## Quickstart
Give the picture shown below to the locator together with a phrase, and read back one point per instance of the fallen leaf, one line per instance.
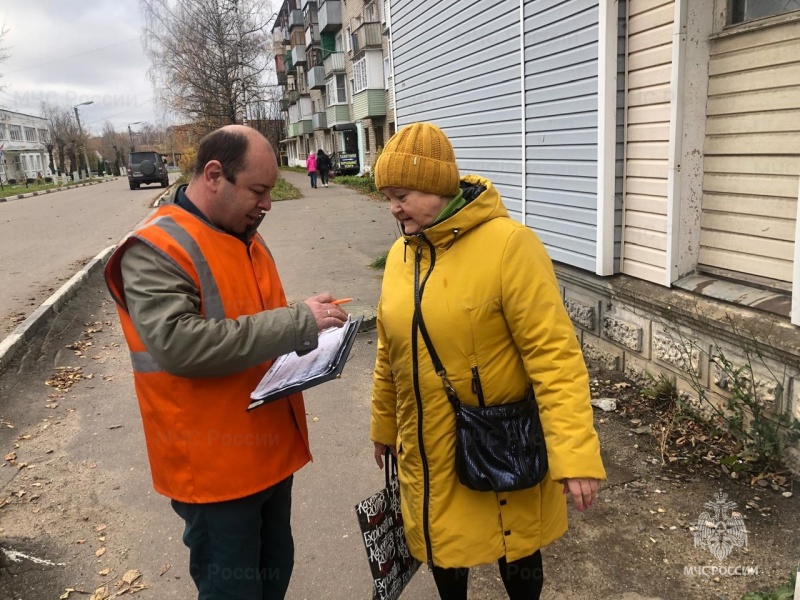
(25, 437)
(100, 528)
(11, 456)
(131, 576)
(100, 594)
(100, 552)
(104, 572)
(115, 426)
(315, 419)
(102, 538)
(164, 569)
(80, 542)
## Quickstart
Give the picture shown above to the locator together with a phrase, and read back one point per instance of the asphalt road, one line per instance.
(45, 239)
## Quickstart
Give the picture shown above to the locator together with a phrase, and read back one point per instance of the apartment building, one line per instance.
(23, 146)
(332, 59)
(654, 146)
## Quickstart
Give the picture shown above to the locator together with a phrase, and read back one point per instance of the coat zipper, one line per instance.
(418, 289)
(477, 388)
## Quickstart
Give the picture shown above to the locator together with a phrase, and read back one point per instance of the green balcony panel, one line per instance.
(368, 104)
(338, 113)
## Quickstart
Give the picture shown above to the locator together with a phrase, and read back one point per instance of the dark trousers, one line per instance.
(313, 176)
(522, 578)
(323, 175)
(241, 549)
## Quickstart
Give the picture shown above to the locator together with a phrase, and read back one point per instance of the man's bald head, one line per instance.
(229, 145)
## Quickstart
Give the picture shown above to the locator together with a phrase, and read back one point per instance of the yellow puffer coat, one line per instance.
(490, 301)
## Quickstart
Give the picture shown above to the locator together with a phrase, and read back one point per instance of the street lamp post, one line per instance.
(130, 134)
(80, 130)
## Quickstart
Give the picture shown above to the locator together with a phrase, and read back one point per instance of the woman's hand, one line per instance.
(583, 490)
(380, 450)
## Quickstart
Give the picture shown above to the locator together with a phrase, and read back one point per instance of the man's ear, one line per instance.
(212, 174)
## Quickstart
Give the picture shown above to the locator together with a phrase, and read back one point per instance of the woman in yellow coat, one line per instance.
(493, 310)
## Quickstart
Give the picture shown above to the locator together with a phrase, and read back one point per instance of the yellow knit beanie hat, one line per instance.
(418, 157)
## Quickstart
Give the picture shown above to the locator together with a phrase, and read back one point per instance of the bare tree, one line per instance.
(64, 135)
(4, 50)
(208, 57)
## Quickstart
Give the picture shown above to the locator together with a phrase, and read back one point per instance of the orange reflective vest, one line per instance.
(202, 444)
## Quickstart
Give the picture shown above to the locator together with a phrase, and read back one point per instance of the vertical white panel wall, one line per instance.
(464, 78)
(561, 89)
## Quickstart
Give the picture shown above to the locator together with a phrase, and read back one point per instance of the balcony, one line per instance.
(296, 19)
(316, 78)
(330, 16)
(368, 35)
(334, 63)
(292, 96)
(280, 68)
(284, 104)
(299, 56)
(319, 120)
(290, 66)
(338, 114)
(299, 128)
(369, 103)
(312, 35)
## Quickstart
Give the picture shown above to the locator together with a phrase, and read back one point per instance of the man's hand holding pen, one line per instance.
(326, 311)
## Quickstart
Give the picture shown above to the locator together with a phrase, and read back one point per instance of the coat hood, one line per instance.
(483, 204)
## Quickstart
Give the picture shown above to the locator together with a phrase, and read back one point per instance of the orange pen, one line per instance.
(341, 301)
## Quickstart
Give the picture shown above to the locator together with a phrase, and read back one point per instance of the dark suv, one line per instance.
(146, 167)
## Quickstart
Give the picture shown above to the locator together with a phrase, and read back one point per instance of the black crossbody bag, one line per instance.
(499, 448)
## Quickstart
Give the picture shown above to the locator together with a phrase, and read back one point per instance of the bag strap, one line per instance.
(389, 466)
(420, 324)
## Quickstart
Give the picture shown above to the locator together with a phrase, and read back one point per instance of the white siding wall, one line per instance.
(647, 112)
(752, 153)
(561, 69)
(457, 64)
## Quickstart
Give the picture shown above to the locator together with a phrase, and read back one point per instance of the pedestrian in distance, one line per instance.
(311, 165)
(475, 288)
(323, 166)
(204, 315)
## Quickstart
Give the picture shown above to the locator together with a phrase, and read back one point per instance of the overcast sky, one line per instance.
(73, 52)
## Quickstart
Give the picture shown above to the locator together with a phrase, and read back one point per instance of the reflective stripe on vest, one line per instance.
(212, 302)
(143, 362)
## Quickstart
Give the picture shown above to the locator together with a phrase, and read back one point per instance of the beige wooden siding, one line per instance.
(647, 116)
(752, 153)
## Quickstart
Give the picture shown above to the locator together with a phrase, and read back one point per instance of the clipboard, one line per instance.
(292, 373)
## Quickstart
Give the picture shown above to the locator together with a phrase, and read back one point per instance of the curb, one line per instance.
(49, 308)
(52, 190)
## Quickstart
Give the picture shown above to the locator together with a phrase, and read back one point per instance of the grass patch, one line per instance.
(380, 262)
(784, 592)
(17, 189)
(284, 190)
(363, 185)
(295, 169)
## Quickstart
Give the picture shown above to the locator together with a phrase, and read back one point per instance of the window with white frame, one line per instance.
(370, 13)
(360, 75)
(750, 10)
(3, 131)
(15, 133)
(30, 134)
(348, 39)
(339, 42)
(335, 90)
(44, 136)
(387, 72)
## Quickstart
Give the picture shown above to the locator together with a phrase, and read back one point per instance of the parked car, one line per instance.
(146, 167)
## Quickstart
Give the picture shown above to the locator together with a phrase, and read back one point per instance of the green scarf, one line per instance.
(452, 207)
